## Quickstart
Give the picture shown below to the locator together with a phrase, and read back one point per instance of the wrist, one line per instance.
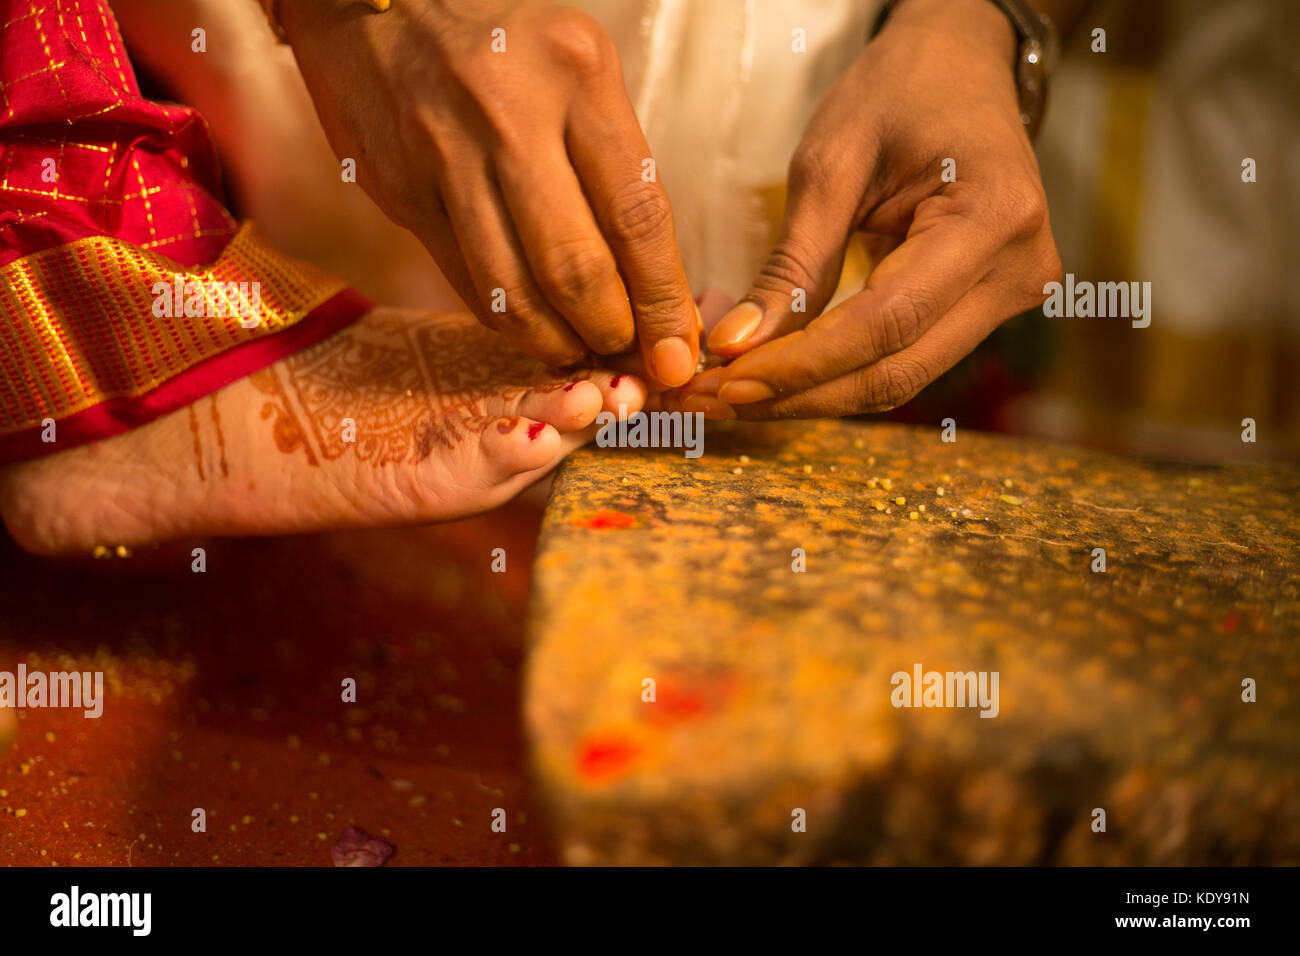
(1012, 31)
(978, 21)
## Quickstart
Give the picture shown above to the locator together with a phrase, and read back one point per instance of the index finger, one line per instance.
(608, 151)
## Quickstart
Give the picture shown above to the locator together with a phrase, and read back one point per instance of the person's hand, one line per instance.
(521, 170)
(934, 91)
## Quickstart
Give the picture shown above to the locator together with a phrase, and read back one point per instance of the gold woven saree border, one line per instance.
(79, 325)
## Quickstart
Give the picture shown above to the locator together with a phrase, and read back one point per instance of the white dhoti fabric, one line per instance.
(723, 90)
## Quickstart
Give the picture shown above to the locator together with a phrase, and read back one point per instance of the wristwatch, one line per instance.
(1037, 49)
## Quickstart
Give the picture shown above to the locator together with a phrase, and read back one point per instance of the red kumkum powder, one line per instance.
(604, 520)
(604, 756)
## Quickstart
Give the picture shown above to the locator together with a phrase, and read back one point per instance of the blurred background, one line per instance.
(1141, 153)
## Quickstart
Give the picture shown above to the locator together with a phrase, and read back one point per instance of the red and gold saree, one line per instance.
(116, 245)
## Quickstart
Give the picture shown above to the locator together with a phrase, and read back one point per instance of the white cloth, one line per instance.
(723, 96)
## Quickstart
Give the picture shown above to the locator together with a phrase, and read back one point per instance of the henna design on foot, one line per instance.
(409, 386)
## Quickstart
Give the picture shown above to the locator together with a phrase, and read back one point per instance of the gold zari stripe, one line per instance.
(79, 328)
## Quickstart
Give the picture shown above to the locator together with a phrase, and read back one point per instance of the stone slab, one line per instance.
(1119, 690)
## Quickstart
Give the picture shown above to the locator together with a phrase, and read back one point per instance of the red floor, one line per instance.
(223, 693)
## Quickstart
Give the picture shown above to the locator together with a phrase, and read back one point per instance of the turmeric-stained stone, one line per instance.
(692, 697)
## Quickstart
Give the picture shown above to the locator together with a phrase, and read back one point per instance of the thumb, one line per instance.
(798, 279)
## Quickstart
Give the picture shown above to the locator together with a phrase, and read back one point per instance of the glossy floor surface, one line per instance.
(223, 693)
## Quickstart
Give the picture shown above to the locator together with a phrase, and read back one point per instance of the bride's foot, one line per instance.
(402, 417)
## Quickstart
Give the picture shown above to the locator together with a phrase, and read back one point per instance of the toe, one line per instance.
(518, 444)
(568, 406)
(573, 406)
(617, 389)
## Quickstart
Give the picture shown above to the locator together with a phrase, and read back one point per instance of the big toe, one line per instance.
(518, 444)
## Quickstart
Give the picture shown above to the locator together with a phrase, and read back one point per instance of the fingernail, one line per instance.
(535, 429)
(672, 361)
(710, 406)
(613, 382)
(736, 326)
(745, 390)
